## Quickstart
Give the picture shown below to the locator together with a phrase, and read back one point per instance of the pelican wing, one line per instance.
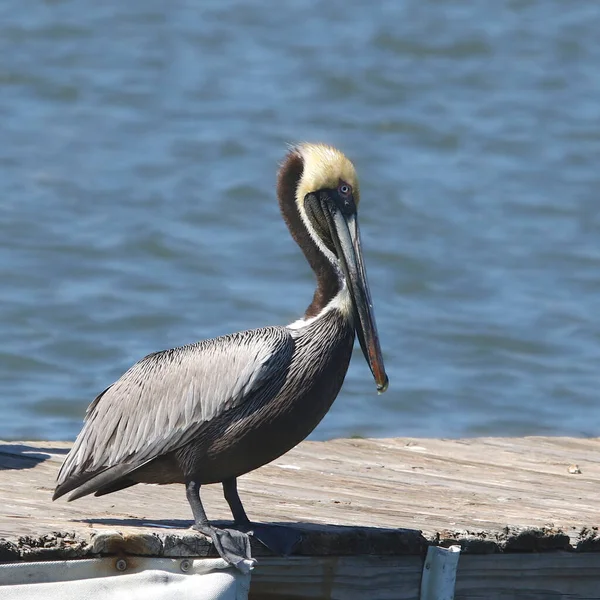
(158, 404)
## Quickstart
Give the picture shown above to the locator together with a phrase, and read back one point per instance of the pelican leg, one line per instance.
(235, 504)
(279, 540)
(233, 546)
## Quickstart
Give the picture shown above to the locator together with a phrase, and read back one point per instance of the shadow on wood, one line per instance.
(317, 539)
(22, 456)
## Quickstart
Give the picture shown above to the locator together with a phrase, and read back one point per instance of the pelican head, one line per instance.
(327, 197)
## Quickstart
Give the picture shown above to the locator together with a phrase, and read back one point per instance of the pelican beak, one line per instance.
(346, 238)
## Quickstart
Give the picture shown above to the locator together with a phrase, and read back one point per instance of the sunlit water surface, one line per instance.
(139, 147)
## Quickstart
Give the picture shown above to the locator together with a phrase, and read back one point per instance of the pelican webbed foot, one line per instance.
(232, 545)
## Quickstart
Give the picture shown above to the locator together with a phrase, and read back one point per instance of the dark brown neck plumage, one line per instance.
(328, 283)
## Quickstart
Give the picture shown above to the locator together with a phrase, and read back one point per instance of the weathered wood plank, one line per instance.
(548, 576)
(533, 576)
(347, 496)
(337, 577)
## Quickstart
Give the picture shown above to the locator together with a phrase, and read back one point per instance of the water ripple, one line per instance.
(138, 155)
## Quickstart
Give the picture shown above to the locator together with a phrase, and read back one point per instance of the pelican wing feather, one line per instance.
(160, 402)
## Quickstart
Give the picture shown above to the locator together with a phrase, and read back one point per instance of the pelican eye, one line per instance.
(344, 189)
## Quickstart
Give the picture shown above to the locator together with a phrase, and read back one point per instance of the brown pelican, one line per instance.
(214, 410)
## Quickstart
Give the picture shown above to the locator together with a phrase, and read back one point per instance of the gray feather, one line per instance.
(158, 404)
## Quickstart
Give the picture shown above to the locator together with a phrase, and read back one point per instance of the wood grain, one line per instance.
(532, 576)
(348, 497)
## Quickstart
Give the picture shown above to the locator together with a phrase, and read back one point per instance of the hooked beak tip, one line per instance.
(382, 387)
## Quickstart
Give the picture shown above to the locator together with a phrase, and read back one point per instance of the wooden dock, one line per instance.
(526, 512)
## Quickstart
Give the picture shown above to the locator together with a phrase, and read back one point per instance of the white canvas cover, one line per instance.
(127, 578)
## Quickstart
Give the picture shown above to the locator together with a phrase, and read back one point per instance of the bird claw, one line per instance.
(232, 545)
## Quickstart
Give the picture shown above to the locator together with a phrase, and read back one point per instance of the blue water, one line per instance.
(139, 144)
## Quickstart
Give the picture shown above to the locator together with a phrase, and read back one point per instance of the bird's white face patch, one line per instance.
(324, 167)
